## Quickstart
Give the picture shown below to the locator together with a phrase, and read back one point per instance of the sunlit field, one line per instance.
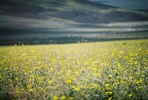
(84, 71)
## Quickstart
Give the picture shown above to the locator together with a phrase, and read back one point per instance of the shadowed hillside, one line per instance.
(76, 10)
(68, 21)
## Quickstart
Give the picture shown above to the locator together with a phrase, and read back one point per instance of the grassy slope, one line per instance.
(67, 21)
(35, 31)
(76, 10)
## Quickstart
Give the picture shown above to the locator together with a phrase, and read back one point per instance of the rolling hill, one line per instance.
(68, 21)
(76, 10)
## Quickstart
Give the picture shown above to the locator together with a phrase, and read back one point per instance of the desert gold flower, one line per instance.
(107, 85)
(55, 98)
(75, 71)
(130, 95)
(63, 97)
(109, 99)
(68, 81)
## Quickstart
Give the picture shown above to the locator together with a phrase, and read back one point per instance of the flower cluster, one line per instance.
(107, 70)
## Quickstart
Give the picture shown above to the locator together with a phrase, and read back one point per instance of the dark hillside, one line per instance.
(76, 10)
(95, 4)
(68, 21)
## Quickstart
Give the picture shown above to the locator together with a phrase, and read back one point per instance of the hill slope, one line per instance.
(76, 10)
(67, 21)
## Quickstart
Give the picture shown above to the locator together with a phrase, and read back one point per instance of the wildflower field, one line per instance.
(86, 71)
